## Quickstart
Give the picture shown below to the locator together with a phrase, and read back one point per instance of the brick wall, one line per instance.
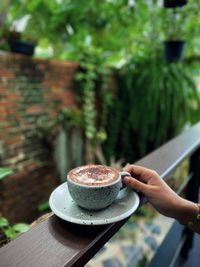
(32, 91)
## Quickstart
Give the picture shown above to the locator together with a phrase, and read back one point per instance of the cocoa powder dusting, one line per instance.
(94, 175)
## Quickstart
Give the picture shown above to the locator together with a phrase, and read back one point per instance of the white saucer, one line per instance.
(64, 207)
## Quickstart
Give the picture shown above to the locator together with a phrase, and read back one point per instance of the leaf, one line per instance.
(43, 206)
(3, 222)
(21, 227)
(10, 233)
(79, 76)
(5, 172)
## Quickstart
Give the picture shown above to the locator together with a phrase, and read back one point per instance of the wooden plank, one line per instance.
(58, 243)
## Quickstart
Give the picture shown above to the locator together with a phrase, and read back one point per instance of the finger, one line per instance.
(135, 184)
(139, 172)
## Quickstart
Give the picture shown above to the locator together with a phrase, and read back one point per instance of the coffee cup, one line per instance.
(95, 187)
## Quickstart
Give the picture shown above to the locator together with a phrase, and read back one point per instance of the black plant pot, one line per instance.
(174, 3)
(174, 50)
(22, 47)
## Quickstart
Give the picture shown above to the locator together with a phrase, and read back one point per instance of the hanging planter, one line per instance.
(22, 47)
(20, 44)
(174, 50)
(174, 3)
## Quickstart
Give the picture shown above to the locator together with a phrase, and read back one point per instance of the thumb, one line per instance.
(135, 184)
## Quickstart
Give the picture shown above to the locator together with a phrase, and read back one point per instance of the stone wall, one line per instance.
(32, 91)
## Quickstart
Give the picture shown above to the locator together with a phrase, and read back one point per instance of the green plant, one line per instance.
(152, 105)
(93, 94)
(174, 23)
(44, 206)
(11, 231)
(65, 25)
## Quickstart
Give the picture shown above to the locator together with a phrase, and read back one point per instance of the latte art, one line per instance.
(94, 175)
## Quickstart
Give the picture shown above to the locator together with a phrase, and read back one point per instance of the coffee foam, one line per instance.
(93, 175)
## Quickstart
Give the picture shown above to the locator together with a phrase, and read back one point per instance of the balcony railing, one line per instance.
(55, 242)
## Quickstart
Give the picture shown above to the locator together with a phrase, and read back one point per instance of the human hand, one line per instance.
(159, 194)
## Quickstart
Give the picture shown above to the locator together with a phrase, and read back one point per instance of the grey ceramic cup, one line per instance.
(95, 197)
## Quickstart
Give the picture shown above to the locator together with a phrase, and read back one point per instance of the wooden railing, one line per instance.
(58, 243)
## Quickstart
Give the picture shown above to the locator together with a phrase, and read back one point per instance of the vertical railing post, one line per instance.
(192, 193)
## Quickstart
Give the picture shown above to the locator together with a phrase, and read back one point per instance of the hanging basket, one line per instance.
(174, 3)
(174, 50)
(22, 47)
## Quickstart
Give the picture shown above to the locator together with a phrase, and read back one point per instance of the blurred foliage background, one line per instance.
(155, 99)
(120, 28)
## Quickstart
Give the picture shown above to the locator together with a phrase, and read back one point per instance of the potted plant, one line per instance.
(174, 3)
(163, 96)
(19, 43)
(174, 50)
(174, 43)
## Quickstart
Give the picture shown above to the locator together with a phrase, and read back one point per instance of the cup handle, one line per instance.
(122, 174)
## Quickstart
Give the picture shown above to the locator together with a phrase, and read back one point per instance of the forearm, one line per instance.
(186, 212)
